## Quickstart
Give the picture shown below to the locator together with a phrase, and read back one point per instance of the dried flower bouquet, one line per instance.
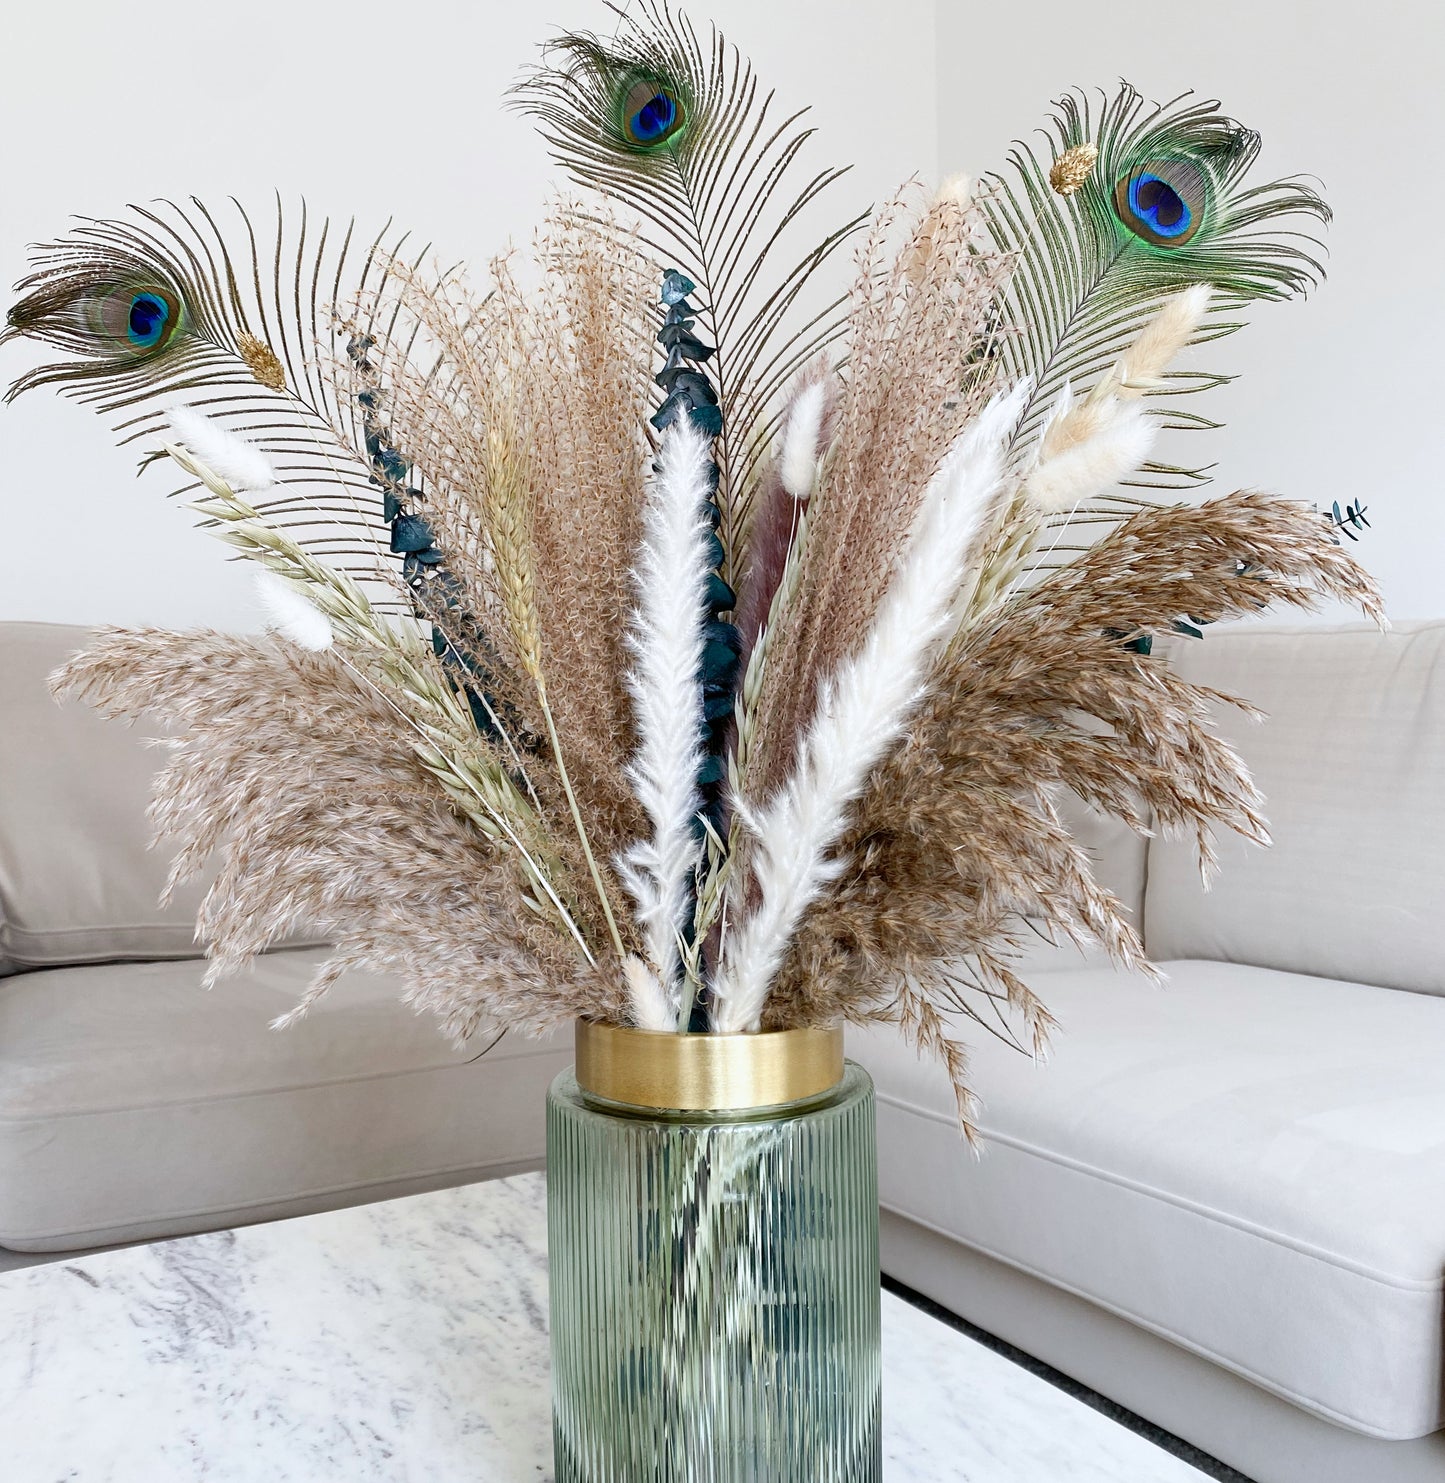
(656, 641)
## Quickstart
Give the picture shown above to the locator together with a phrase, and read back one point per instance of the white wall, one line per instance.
(1339, 397)
(366, 107)
(373, 108)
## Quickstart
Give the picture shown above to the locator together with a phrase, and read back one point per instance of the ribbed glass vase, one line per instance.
(714, 1278)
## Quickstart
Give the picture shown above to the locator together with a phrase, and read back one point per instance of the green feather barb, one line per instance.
(1165, 206)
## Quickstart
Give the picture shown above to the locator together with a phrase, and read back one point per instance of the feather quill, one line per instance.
(862, 712)
(667, 639)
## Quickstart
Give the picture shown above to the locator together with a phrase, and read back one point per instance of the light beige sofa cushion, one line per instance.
(1352, 765)
(133, 1103)
(77, 883)
(1246, 1162)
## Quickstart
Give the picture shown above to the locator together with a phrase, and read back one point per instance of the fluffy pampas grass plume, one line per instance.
(862, 712)
(666, 639)
(1093, 443)
(1167, 333)
(788, 486)
(1096, 446)
(798, 463)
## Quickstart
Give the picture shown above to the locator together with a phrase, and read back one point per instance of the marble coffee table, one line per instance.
(408, 1341)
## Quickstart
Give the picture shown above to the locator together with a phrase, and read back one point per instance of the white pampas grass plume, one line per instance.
(666, 640)
(862, 711)
(1166, 334)
(652, 1009)
(1088, 446)
(1086, 450)
(292, 614)
(243, 466)
(798, 463)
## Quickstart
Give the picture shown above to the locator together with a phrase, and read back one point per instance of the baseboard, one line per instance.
(1255, 1433)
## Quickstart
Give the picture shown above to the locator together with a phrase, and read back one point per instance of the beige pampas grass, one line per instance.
(917, 311)
(520, 419)
(309, 786)
(958, 838)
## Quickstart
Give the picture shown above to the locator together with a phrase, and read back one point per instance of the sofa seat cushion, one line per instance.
(78, 883)
(1248, 1162)
(133, 1103)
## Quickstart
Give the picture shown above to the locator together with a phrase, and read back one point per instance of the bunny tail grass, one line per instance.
(863, 710)
(291, 614)
(240, 463)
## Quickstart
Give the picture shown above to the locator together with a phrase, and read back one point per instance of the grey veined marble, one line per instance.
(407, 1343)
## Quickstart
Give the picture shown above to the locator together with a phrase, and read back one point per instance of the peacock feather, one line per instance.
(164, 306)
(1130, 203)
(161, 307)
(680, 132)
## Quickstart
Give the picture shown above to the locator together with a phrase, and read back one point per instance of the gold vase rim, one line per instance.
(664, 1072)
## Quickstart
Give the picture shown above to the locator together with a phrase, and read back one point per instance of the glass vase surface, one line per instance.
(714, 1290)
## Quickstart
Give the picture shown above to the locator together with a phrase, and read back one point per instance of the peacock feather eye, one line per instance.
(137, 319)
(146, 322)
(1163, 201)
(652, 113)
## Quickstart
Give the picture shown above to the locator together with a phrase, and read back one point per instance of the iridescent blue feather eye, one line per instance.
(134, 318)
(1162, 201)
(146, 321)
(651, 113)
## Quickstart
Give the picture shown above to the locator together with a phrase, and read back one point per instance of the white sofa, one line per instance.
(1221, 1205)
(132, 1103)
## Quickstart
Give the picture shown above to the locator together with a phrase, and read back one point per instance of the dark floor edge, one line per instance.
(1167, 1441)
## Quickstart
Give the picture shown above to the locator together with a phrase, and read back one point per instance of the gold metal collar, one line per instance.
(707, 1073)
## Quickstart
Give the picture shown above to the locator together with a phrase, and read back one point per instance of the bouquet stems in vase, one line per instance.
(713, 1230)
(674, 640)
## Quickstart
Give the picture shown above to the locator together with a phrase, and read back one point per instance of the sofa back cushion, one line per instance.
(77, 883)
(1351, 761)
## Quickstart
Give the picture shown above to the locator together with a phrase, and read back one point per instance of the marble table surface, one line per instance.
(407, 1341)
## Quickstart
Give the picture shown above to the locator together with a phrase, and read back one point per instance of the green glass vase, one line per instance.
(713, 1266)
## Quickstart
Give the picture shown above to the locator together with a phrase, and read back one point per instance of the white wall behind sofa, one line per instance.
(1340, 397)
(369, 108)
